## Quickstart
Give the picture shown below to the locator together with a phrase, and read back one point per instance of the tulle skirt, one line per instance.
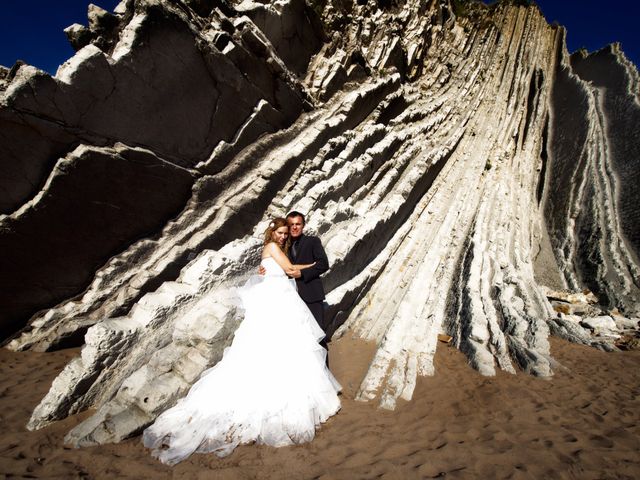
(272, 385)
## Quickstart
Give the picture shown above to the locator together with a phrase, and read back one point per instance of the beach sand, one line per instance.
(584, 423)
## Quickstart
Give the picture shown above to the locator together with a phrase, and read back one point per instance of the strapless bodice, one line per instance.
(272, 268)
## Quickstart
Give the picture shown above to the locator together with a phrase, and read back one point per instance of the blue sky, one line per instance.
(32, 30)
(595, 23)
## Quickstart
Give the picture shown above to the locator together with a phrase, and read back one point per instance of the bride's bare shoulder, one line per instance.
(268, 250)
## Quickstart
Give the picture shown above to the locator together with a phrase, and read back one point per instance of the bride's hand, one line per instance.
(295, 273)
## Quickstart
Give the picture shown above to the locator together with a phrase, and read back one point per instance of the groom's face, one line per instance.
(296, 225)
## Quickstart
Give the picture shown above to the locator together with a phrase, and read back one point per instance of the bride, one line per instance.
(272, 385)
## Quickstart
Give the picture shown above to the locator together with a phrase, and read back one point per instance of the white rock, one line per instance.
(624, 323)
(603, 323)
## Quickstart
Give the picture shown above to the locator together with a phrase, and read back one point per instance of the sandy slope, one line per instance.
(583, 424)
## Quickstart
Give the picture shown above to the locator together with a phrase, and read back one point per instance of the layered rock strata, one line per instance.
(432, 156)
(192, 90)
(591, 208)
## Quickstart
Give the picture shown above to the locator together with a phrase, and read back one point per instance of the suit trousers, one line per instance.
(317, 310)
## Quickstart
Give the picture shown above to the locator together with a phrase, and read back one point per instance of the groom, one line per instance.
(308, 249)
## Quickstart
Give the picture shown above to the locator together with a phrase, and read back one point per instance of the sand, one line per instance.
(584, 423)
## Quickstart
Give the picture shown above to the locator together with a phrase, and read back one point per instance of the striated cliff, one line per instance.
(465, 174)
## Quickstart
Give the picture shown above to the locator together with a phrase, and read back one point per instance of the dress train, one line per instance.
(272, 385)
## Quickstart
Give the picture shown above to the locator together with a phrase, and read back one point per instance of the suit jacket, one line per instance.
(309, 285)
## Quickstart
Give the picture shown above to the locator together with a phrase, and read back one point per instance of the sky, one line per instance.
(33, 30)
(592, 24)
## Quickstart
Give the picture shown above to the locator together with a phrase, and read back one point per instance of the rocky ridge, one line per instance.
(435, 153)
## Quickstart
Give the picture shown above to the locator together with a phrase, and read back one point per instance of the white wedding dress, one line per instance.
(272, 385)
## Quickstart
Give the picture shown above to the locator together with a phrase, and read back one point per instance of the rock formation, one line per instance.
(457, 163)
(228, 90)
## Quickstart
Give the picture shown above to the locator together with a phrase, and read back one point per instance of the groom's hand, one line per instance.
(261, 270)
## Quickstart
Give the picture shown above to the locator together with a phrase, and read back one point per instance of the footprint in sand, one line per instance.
(600, 441)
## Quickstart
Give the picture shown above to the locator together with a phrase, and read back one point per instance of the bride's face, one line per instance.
(279, 235)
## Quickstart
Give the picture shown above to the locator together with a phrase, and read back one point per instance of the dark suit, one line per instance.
(309, 250)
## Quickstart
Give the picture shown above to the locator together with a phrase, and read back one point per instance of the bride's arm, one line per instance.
(272, 250)
(302, 266)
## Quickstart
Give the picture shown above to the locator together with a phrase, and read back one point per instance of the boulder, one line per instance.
(604, 325)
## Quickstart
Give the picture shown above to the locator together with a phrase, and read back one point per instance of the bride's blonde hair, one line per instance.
(275, 224)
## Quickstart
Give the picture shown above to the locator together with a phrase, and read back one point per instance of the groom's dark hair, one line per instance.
(294, 213)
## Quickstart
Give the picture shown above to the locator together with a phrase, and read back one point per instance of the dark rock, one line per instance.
(163, 88)
(95, 201)
(78, 35)
(100, 20)
(591, 205)
(292, 28)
